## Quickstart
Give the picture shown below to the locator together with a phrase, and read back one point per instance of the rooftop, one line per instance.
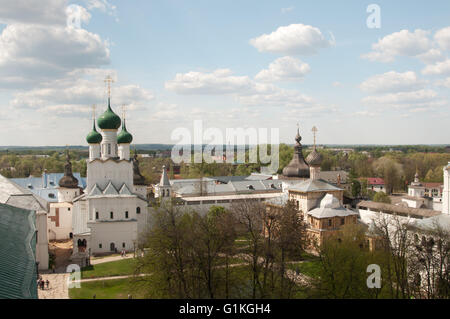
(397, 209)
(17, 253)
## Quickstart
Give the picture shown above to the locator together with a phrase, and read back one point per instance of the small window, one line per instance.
(99, 245)
(342, 221)
(123, 245)
(96, 215)
(51, 195)
(329, 222)
(138, 210)
(126, 214)
(68, 208)
(111, 215)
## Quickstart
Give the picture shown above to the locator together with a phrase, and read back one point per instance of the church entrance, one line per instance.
(112, 247)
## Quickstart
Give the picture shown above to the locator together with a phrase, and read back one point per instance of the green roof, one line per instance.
(109, 120)
(18, 279)
(94, 137)
(124, 137)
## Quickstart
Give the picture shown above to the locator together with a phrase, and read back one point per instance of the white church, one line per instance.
(113, 208)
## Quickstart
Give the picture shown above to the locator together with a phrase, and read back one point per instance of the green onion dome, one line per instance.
(94, 137)
(109, 120)
(124, 137)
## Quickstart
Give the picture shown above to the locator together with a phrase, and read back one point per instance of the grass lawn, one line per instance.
(309, 268)
(106, 289)
(113, 268)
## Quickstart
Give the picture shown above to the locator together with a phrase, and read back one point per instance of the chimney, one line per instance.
(44, 178)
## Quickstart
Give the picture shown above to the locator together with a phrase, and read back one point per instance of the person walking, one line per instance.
(47, 283)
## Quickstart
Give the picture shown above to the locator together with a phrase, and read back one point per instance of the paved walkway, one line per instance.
(57, 288)
(108, 259)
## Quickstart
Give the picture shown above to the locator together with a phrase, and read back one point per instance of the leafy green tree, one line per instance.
(381, 197)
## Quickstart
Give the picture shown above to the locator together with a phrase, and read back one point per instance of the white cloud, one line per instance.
(402, 43)
(284, 69)
(444, 82)
(442, 37)
(424, 97)
(294, 39)
(76, 98)
(286, 10)
(440, 68)
(33, 11)
(431, 56)
(392, 82)
(220, 81)
(246, 91)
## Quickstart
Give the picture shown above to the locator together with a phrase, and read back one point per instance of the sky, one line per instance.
(232, 64)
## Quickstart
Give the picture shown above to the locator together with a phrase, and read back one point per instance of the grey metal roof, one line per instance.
(330, 207)
(384, 207)
(46, 185)
(15, 195)
(18, 278)
(232, 187)
(311, 185)
(332, 176)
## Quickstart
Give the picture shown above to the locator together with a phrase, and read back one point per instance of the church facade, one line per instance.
(113, 209)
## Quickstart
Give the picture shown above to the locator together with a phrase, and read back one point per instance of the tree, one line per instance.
(356, 188)
(344, 260)
(381, 197)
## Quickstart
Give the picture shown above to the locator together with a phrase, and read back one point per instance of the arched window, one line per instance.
(96, 215)
(163, 193)
(111, 214)
(126, 214)
(168, 193)
(138, 210)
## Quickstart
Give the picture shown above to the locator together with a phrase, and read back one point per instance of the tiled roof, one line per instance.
(311, 185)
(18, 278)
(375, 181)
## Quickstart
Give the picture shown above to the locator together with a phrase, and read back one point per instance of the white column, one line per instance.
(94, 151)
(446, 191)
(109, 144)
(124, 151)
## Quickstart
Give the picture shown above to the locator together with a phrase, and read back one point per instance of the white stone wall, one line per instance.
(67, 194)
(446, 191)
(64, 228)
(105, 233)
(141, 190)
(102, 172)
(42, 240)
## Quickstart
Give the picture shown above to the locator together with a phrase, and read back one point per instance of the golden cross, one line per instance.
(314, 130)
(108, 81)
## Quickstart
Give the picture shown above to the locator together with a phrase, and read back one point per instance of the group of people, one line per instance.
(42, 283)
(123, 253)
